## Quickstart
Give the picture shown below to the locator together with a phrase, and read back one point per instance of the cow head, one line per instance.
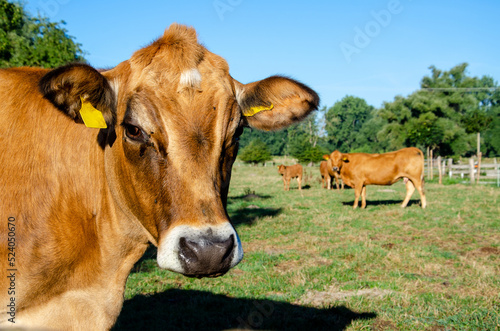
(336, 160)
(174, 115)
(281, 169)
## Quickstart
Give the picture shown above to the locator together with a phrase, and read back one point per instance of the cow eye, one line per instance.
(135, 133)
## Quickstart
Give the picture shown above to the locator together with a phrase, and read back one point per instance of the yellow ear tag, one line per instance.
(92, 117)
(344, 159)
(254, 110)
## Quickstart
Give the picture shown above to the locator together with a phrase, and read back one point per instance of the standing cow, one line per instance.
(360, 169)
(289, 172)
(327, 174)
(152, 164)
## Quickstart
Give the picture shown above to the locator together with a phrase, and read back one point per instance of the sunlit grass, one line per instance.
(314, 260)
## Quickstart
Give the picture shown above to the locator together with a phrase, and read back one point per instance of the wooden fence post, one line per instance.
(450, 163)
(471, 170)
(479, 166)
(439, 169)
(428, 164)
(498, 171)
(432, 165)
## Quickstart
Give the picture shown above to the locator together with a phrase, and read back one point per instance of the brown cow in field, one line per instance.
(326, 180)
(83, 204)
(327, 174)
(289, 172)
(360, 169)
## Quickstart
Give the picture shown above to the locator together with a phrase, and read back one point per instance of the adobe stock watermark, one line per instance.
(224, 6)
(51, 7)
(364, 35)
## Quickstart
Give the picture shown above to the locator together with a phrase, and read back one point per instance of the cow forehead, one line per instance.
(176, 61)
(335, 157)
(189, 87)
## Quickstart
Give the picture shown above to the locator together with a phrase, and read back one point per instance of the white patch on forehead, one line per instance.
(190, 78)
(240, 93)
(114, 83)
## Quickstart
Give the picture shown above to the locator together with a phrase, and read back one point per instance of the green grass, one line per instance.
(312, 262)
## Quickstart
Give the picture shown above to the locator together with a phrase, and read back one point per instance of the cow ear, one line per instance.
(326, 157)
(69, 86)
(345, 159)
(275, 102)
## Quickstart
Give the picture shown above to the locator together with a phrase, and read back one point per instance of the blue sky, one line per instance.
(370, 49)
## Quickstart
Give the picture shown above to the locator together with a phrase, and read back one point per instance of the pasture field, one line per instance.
(313, 263)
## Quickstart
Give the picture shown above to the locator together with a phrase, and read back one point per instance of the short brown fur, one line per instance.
(289, 172)
(360, 169)
(88, 202)
(328, 175)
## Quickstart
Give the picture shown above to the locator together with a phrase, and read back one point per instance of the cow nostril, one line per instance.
(187, 250)
(229, 246)
(206, 256)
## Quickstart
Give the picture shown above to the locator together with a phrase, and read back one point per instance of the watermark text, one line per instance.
(11, 269)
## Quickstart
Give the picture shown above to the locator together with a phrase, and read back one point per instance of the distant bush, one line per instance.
(255, 152)
(312, 154)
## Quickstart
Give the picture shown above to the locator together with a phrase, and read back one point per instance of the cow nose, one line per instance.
(335, 169)
(207, 256)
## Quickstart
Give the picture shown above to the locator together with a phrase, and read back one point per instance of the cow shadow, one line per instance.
(381, 203)
(248, 197)
(250, 214)
(177, 309)
(346, 188)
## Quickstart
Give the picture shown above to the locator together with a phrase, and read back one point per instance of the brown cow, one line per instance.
(360, 169)
(327, 174)
(83, 204)
(289, 172)
(326, 180)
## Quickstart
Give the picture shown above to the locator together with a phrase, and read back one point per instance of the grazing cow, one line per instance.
(289, 172)
(327, 174)
(326, 180)
(152, 164)
(360, 169)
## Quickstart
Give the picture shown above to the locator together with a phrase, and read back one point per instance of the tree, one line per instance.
(310, 154)
(304, 141)
(275, 141)
(34, 41)
(492, 134)
(344, 123)
(444, 114)
(255, 152)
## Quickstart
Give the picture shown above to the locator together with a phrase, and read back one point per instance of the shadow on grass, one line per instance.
(381, 203)
(248, 197)
(198, 310)
(348, 188)
(249, 215)
(148, 261)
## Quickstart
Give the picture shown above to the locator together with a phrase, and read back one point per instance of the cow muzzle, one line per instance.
(200, 252)
(335, 168)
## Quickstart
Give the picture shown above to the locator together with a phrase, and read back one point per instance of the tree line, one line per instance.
(34, 41)
(447, 115)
